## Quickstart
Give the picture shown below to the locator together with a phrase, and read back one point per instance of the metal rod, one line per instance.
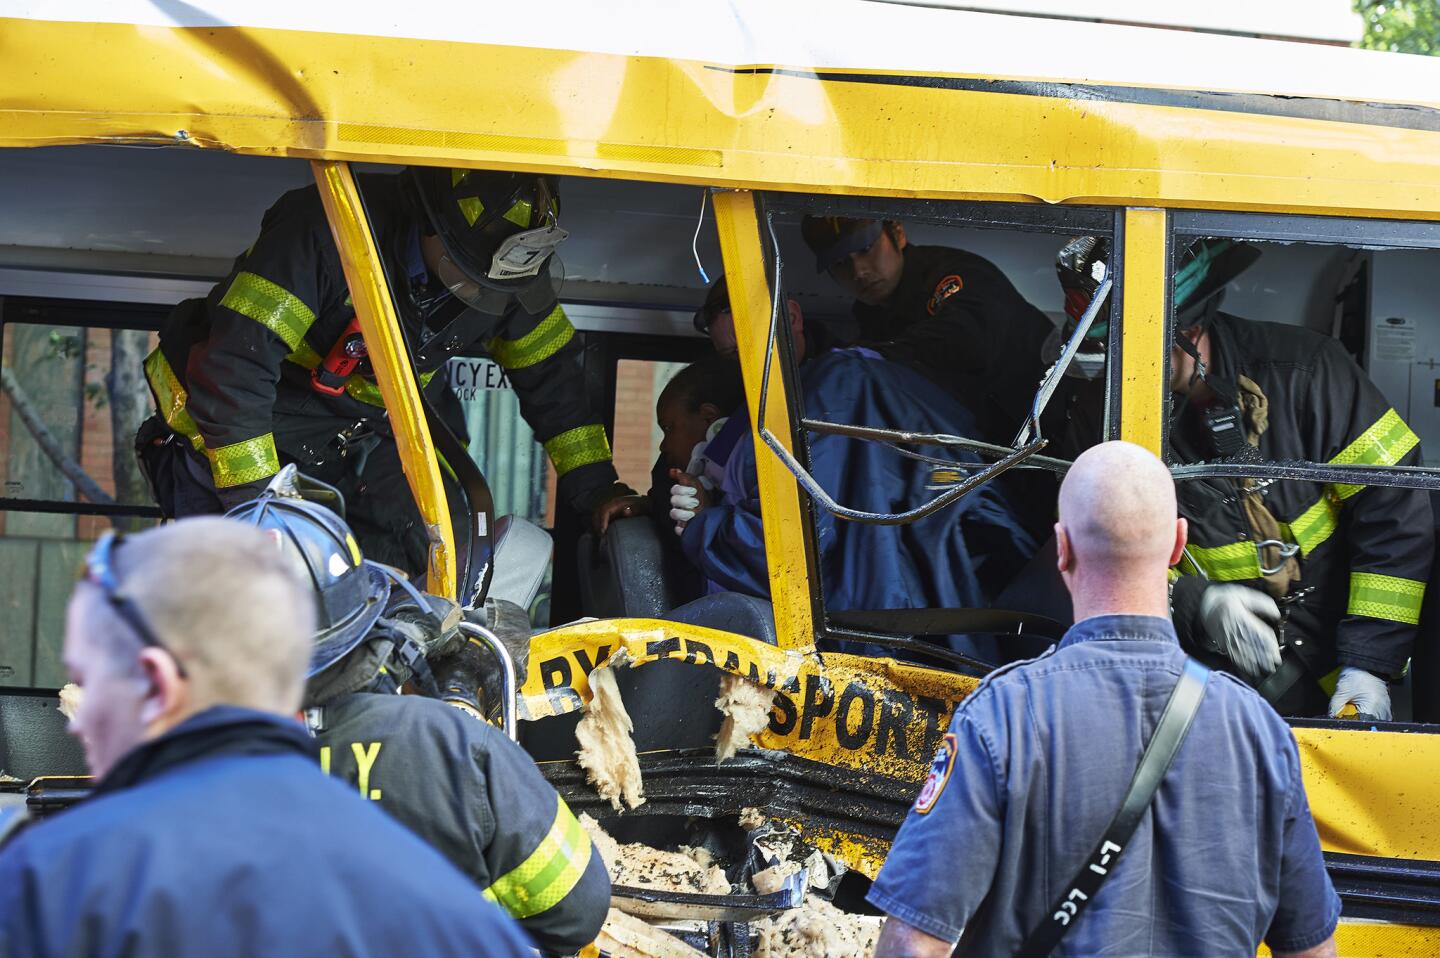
(1067, 355)
(508, 692)
(1402, 477)
(1011, 458)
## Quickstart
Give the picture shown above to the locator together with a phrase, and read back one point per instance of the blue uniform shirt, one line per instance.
(1036, 764)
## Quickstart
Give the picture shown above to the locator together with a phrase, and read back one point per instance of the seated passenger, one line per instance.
(956, 558)
(702, 418)
(211, 830)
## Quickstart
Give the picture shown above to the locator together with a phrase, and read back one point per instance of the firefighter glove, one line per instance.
(1364, 690)
(1240, 624)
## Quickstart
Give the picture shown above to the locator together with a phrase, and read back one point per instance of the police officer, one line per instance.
(452, 778)
(270, 368)
(947, 313)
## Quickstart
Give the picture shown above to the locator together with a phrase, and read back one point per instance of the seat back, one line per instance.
(623, 574)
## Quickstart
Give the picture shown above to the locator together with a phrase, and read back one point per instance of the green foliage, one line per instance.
(60, 346)
(1401, 26)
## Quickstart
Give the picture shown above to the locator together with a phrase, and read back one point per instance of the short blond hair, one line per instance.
(228, 603)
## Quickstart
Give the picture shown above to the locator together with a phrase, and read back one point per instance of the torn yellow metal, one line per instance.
(866, 714)
(365, 275)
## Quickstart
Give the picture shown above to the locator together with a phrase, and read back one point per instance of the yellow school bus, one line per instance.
(1002, 135)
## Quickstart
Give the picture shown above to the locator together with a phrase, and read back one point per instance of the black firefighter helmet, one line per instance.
(350, 594)
(498, 229)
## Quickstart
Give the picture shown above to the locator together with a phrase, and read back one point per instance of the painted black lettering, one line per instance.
(694, 650)
(895, 713)
(661, 648)
(555, 675)
(504, 378)
(587, 665)
(818, 701)
(783, 714)
(936, 711)
(475, 368)
(854, 738)
(732, 663)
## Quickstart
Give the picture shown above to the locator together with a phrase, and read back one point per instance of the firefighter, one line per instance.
(949, 314)
(1311, 591)
(451, 777)
(270, 368)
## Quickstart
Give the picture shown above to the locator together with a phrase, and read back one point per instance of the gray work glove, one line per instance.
(1364, 690)
(1240, 624)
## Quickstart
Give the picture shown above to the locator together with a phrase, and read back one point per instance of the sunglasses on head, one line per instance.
(100, 572)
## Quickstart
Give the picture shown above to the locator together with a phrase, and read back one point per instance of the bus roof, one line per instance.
(842, 96)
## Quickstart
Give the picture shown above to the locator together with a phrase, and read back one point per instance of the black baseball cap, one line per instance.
(832, 238)
(717, 300)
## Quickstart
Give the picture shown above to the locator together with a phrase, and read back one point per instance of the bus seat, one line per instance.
(729, 612)
(522, 555)
(623, 575)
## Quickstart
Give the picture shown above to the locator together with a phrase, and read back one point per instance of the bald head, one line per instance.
(1118, 501)
(1118, 528)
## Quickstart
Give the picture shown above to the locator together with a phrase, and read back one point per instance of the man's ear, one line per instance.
(168, 692)
(710, 412)
(1182, 535)
(797, 318)
(1064, 558)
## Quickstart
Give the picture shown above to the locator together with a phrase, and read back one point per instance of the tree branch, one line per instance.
(47, 442)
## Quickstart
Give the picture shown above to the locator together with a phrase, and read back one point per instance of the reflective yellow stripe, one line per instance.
(272, 306)
(1383, 444)
(578, 447)
(542, 881)
(304, 355)
(357, 386)
(536, 346)
(170, 398)
(471, 207)
(1385, 597)
(1233, 562)
(1316, 524)
(243, 462)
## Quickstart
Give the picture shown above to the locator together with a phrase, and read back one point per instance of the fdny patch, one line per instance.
(940, 770)
(944, 289)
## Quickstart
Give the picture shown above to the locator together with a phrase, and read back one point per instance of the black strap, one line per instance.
(1160, 752)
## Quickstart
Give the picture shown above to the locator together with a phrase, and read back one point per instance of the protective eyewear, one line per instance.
(99, 572)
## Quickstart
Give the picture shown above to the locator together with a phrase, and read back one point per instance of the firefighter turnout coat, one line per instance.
(232, 374)
(475, 796)
(1364, 552)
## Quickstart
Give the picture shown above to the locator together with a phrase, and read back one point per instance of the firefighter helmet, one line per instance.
(498, 229)
(1207, 266)
(350, 593)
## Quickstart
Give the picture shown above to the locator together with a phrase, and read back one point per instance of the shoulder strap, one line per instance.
(1160, 752)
